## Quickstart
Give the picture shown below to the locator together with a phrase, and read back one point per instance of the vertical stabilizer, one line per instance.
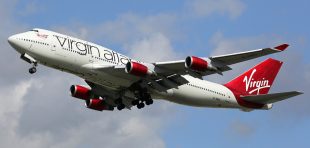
(257, 80)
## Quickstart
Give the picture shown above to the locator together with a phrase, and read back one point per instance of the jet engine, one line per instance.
(137, 69)
(96, 104)
(80, 92)
(197, 64)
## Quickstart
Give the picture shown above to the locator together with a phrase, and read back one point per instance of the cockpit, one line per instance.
(34, 30)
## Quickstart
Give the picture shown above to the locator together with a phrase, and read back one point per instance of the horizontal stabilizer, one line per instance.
(270, 98)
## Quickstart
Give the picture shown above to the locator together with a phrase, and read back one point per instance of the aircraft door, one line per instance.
(94, 54)
(53, 48)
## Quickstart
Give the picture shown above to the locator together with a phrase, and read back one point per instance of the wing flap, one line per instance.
(270, 98)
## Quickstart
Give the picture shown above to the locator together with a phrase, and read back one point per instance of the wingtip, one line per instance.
(299, 92)
(282, 47)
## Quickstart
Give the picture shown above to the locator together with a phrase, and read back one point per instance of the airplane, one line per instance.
(117, 81)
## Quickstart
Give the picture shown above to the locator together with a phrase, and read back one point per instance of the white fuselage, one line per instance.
(77, 56)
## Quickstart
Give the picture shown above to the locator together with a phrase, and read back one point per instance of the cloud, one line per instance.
(12, 106)
(10, 109)
(129, 27)
(156, 47)
(206, 8)
(30, 8)
(240, 129)
(10, 74)
(40, 113)
(76, 30)
(147, 38)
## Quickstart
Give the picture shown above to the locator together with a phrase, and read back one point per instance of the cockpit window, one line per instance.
(34, 30)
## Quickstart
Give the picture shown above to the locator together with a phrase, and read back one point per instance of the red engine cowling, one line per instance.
(80, 92)
(96, 104)
(137, 69)
(196, 63)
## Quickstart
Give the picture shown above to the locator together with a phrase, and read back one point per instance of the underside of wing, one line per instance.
(159, 81)
(110, 96)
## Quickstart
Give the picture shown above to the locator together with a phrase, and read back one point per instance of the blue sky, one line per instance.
(168, 30)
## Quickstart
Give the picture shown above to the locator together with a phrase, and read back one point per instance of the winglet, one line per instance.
(282, 47)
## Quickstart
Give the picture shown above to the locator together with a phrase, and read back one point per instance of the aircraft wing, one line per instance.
(169, 74)
(270, 98)
(234, 58)
(160, 82)
(221, 62)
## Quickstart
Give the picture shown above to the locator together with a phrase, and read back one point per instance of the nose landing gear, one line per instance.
(33, 69)
(30, 60)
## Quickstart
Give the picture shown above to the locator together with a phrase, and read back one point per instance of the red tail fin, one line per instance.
(257, 80)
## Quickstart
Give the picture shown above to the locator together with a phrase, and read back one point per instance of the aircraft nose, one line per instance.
(16, 43)
(12, 39)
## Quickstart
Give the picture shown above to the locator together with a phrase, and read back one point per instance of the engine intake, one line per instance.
(80, 92)
(137, 69)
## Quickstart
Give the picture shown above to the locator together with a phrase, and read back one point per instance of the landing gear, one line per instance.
(135, 102)
(143, 98)
(149, 101)
(140, 105)
(30, 60)
(120, 104)
(141, 94)
(32, 70)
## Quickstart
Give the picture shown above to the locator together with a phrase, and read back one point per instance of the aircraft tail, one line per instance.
(251, 88)
(256, 80)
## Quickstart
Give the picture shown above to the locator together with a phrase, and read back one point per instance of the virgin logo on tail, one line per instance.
(255, 85)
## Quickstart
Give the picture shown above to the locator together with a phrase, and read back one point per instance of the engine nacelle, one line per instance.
(197, 64)
(97, 104)
(137, 69)
(80, 92)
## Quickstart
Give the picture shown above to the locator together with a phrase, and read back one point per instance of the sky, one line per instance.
(37, 110)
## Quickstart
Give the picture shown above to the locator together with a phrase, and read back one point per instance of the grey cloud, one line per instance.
(43, 114)
(129, 27)
(157, 45)
(240, 128)
(10, 69)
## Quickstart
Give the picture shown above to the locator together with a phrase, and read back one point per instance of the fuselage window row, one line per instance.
(205, 89)
(33, 41)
